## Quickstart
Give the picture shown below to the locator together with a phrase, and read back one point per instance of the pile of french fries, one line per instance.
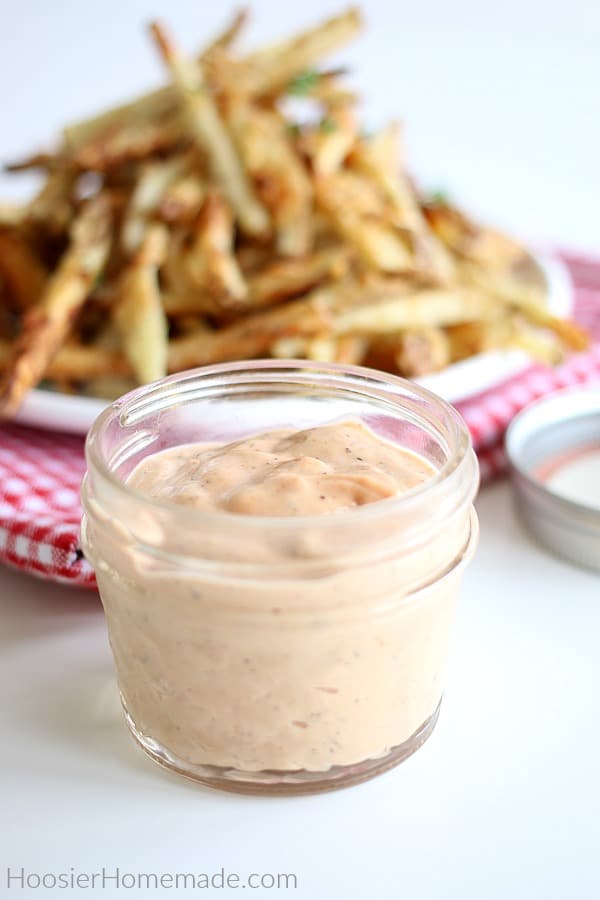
(240, 212)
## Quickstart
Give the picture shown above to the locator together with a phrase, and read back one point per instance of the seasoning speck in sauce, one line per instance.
(284, 472)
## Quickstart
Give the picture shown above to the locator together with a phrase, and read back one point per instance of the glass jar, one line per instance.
(279, 655)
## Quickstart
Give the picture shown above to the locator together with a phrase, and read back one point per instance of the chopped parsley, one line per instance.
(303, 83)
(439, 197)
(327, 126)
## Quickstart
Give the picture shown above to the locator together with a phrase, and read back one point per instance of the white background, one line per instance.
(501, 104)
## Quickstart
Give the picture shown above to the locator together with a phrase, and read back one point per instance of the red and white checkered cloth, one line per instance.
(40, 472)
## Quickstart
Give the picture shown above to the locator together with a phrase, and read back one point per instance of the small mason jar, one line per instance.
(275, 654)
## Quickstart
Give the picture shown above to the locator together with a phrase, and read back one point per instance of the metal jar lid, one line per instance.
(559, 431)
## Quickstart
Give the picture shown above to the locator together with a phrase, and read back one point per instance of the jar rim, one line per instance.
(383, 385)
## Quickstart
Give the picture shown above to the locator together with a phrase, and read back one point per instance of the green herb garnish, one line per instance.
(99, 279)
(439, 197)
(303, 83)
(327, 126)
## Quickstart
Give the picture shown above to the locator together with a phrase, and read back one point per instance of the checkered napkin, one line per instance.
(40, 472)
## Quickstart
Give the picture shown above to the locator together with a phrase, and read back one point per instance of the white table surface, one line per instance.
(501, 803)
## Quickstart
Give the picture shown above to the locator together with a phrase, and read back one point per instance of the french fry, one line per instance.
(182, 200)
(228, 36)
(287, 278)
(282, 182)
(49, 322)
(52, 206)
(210, 262)
(12, 214)
(76, 362)
(252, 335)
(425, 308)
(44, 161)
(23, 272)
(568, 332)
(131, 142)
(348, 349)
(379, 159)
(148, 193)
(330, 143)
(151, 106)
(411, 353)
(200, 223)
(269, 71)
(139, 314)
(470, 338)
(289, 348)
(109, 387)
(324, 87)
(206, 127)
(357, 211)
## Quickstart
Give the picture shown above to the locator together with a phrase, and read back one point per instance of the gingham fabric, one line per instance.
(40, 473)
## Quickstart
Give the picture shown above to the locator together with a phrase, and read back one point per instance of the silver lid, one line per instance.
(541, 442)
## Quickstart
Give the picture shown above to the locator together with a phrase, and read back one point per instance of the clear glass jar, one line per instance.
(279, 655)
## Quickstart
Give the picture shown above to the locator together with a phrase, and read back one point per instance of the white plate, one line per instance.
(61, 412)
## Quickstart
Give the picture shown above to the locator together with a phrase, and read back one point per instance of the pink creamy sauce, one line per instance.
(284, 472)
(284, 670)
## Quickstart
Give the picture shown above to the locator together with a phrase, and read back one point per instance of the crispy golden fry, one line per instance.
(210, 262)
(347, 191)
(569, 333)
(329, 144)
(213, 218)
(348, 349)
(540, 346)
(271, 70)
(182, 200)
(251, 336)
(201, 272)
(283, 279)
(434, 307)
(49, 322)
(324, 87)
(507, 285)
(109, 387)
(282, 181)
(322, 348)
(139, 315)
(23, 272)
(228, 36)
(45, 161)
(486, 258)
(77, 362)
(152, 106)
(470, 338)
(52, 207)
(379, 159)
(131, 142)
(289, 348)
(351, 349)
(357, 210)
(205, 125)
(12, 214)
(148, 193)
(411, 353)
